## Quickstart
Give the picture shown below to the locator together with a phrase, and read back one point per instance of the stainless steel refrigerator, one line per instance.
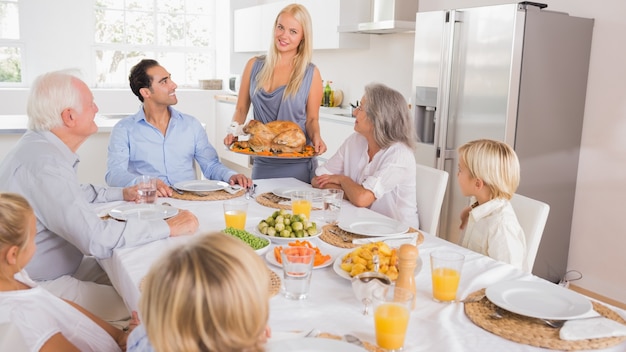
(515, 73)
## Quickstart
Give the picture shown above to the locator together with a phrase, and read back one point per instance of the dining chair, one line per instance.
(431, 187)
(532, 215)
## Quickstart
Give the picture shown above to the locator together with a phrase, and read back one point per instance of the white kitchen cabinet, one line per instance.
(334, 131)
(253, 26)
(327, 15)
(224, 111)
(245, 36)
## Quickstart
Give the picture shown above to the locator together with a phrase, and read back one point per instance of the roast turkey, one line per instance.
(275, 136)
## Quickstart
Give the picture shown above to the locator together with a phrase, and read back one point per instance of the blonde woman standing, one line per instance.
(211, 294)
(284, 85)
(489, 172)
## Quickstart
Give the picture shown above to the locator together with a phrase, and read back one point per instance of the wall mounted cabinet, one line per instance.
(253, 25)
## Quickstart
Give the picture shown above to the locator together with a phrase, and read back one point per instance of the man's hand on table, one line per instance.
(185, 223)
(163, 190)
(240, 179)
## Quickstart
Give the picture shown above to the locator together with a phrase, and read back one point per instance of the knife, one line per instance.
(177, 190)
(403, 236)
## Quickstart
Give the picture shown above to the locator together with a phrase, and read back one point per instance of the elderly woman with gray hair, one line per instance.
(375, 167)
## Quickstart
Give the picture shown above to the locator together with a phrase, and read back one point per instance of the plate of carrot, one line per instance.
(320, 261)
(307, 152)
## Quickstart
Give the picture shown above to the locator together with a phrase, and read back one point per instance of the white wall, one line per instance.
(598, 243)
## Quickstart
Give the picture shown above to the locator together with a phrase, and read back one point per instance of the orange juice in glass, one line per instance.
(235, 213)
(391, 316)
(445, 284)
(301, 203)
(446, 274)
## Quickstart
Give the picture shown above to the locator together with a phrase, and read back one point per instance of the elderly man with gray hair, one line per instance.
(70, 235)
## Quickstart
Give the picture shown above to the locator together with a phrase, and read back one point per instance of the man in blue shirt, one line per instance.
(161, 141)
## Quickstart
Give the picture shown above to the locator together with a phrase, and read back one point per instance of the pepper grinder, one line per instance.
(407, 262)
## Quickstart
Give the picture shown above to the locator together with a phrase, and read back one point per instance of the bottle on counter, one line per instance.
(327, 95)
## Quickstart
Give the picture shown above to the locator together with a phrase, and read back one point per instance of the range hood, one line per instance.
(387, 16)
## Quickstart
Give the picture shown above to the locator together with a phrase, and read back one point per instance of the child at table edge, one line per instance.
(489, 172)
(210, 294)
(46, 322)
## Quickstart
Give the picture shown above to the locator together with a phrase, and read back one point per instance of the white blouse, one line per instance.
(390, 176)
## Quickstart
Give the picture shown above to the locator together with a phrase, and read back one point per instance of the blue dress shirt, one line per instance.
(138, 148)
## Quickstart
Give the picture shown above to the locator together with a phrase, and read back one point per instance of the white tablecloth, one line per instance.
(331, 306)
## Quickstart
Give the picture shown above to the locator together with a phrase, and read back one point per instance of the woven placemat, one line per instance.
(368, 346)
(217, 195)
(274, 283)
(332, 234)
(271, 200)
(531, 331)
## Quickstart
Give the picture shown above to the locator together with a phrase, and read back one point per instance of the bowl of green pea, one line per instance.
(259, 244)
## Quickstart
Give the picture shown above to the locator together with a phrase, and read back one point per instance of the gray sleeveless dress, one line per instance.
(269, 107)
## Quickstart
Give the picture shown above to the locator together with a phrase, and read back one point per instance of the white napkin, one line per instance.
(393, 241)
(591, 328)
(230, 189)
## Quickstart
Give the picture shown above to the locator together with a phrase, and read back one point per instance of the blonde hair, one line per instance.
(211, 294)
(14, 220)
(303, 55)
(495, 163)
(51, 93)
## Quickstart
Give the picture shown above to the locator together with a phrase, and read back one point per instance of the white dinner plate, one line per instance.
(373, 227)
(345, 275)
(272, 260)
(286, 192)
(542, 300)
(142, 211)
(309, 344)
(201, 185)
(276, 239)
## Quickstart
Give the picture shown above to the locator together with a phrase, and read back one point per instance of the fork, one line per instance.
(250, 191)
(341, 235)
(313, 333)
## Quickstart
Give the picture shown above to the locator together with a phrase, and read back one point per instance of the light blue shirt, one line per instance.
(138, 148)
(43, 169)
(138, 341)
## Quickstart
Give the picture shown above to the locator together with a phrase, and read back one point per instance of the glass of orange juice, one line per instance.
(446, 273)
(235, 213)
(391, 316)
(301, 203)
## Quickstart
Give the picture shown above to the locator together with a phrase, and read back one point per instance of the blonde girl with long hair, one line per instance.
(46, 322)
(284, 85)
(211, 294)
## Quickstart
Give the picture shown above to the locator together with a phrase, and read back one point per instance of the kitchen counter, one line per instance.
(337, 113)
(18, 124)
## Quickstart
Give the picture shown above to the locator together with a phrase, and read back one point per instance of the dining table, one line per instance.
(331, 305)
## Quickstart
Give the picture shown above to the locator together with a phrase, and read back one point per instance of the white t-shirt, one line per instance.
(493, 230)
(390, 176)
(39, 315)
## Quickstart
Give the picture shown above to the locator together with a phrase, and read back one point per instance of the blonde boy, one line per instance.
(489, 172)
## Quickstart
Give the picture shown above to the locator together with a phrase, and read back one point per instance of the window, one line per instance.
(10, 46)
(180, 34)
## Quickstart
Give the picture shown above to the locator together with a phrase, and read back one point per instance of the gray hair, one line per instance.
(50, 94)
(389, 112)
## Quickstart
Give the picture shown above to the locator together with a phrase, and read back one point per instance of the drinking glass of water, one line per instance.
(297, 269)
(332, 205)
(146, 188)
